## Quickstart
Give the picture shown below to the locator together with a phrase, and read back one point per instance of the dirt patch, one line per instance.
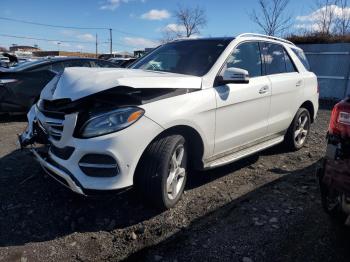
(264, 208)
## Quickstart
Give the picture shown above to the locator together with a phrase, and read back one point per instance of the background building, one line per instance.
(24, 48)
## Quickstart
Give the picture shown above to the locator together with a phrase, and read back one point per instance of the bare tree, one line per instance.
(342, 21)
(189, 22)
(324, 16)
(272, 17)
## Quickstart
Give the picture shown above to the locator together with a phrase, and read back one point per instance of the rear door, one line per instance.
(242, 109)
(286, 87)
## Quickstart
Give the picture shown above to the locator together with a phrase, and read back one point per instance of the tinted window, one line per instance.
(57, 67)
(274, 57)
(190, 57)
(246, 56)
(300, 54)
(77, 63)
(103, 64)
(41, 68)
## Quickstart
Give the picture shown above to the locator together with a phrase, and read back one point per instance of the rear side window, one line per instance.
(300, 54)
(246, 56)
(277, 60)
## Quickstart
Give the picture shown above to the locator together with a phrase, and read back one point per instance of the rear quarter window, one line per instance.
(301, 55)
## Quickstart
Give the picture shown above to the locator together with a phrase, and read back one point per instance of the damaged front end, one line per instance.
(33, 133)
(53, 124)
(37, 139)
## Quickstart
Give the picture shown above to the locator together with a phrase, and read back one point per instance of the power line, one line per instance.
(45, 39)
(49, 25)
(61, 41)
(69, 27)
(73, 27)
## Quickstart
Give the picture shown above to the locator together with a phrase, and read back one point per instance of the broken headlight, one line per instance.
(110, 122)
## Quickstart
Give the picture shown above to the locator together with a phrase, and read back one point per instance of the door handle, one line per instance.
(298, 83)
(264, 90)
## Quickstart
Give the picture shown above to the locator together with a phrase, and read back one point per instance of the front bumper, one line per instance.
(125, 147)
(57, 173)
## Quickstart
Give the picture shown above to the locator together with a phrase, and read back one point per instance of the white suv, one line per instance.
(197, 103)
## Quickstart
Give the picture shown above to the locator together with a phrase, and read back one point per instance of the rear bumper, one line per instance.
(336, 175)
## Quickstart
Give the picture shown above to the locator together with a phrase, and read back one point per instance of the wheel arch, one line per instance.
(308, 105)
(193, 139)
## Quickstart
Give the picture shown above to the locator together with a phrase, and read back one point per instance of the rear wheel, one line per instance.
(161, 175)
(299, 129)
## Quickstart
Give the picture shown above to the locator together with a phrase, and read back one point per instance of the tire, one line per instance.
(161, 175)
(291, 139)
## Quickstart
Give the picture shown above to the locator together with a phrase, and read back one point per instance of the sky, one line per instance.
(136, 23)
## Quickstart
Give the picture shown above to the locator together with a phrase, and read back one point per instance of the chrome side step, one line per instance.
(243, 153)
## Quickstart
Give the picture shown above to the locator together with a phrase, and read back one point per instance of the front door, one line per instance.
(243, 109)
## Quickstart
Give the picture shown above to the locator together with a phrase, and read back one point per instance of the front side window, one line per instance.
(190, 57)
(246, 56)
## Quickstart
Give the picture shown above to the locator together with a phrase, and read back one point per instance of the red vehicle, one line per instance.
(334, 176)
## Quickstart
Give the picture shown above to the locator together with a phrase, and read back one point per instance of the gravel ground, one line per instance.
(264, 208)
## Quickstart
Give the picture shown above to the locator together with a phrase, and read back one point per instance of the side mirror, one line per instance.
(235, 75)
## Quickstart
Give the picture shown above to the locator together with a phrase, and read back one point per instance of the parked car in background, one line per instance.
(195, 103)
(4, 61)
(20, 85)
(122, 62)
(334, 176)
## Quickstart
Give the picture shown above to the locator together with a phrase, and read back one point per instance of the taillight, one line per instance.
(340, 119)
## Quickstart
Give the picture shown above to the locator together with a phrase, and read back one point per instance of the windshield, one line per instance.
(190, 57)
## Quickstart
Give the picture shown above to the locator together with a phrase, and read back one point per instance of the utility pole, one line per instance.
(96, 46)
(111, 41)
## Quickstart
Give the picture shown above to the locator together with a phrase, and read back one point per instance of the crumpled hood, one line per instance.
(78, 82)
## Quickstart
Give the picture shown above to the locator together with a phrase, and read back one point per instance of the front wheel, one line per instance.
(299, 130)
(161, 175)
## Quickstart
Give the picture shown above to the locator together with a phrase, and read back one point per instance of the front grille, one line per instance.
(53, 127)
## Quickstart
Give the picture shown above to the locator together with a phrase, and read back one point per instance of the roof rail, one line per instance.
(265, 36)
